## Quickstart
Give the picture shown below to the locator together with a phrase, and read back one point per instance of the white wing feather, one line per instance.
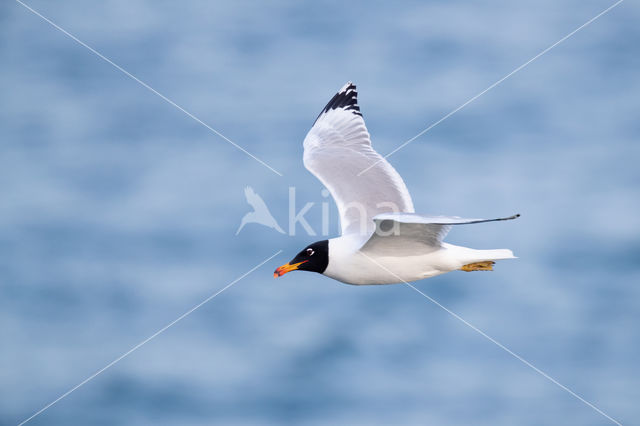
(337, 149)
(403, 234)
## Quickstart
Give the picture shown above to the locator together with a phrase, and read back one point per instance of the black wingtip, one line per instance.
(515, 216)
(346, 98)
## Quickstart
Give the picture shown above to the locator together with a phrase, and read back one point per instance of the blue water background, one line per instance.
(118, 213)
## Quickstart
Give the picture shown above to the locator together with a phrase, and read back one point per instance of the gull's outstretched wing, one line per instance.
(337, 149)
(403, 234)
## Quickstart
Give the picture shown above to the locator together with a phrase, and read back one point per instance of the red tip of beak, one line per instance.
(280, 271)
(287, 267)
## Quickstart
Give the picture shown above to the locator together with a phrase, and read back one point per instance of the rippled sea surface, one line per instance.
(118, 213)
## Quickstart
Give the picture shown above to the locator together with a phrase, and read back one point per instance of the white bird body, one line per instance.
(351, 266)
(383, 241)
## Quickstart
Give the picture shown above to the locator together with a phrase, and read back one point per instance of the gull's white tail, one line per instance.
(483, 260)
(497, 254)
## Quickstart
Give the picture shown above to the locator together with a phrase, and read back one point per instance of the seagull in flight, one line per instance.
(260, 213)
(383, 240)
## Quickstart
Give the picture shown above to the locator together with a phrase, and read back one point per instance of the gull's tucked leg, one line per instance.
(478, 266)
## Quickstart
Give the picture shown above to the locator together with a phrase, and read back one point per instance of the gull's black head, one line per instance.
(314, 258)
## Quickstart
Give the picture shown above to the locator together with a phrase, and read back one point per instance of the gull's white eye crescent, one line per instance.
(310, 252)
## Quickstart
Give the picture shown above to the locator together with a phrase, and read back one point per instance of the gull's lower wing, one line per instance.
(408, 233)
(436, 220)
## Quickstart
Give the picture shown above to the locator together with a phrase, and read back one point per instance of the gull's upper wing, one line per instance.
(405, 234)
(337, 149)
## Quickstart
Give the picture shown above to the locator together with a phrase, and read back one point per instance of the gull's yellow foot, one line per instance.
(478, 266)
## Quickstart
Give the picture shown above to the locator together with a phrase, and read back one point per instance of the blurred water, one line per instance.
(118, 213)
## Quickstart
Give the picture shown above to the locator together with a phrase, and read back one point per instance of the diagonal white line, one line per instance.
(163, 329)
(494, 341)
(145, 85)
(493, 85)
(518, 357)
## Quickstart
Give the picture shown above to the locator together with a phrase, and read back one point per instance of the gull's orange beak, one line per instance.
(287, 267)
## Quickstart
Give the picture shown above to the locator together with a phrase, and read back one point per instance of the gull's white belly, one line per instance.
(362, 269)
(352, 266)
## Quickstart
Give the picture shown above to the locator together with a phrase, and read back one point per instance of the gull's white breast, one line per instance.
(349, 265)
